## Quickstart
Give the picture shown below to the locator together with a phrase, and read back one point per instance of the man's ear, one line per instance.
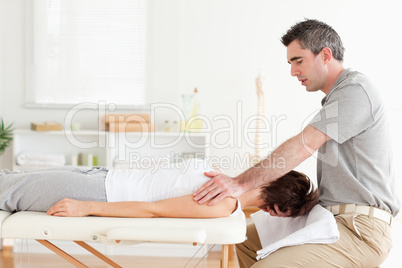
(326, 54)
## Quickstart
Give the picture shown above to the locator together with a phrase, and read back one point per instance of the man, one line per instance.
(354, 166)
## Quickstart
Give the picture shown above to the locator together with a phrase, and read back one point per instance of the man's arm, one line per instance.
(286, 157)
(179, 207)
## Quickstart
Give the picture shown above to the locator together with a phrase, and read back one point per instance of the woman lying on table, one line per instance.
(163, 192)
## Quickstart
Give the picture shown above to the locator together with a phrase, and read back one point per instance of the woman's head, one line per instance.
(292, 193)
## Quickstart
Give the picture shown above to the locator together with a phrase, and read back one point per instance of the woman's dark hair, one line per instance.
(293, 192)
(314, 35)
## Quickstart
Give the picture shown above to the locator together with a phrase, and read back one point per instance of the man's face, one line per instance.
(307, 67)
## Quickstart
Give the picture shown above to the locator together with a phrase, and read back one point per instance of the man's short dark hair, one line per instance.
(314, 35)
(293, 192)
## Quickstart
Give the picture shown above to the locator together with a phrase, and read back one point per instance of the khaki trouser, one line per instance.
(364, 242)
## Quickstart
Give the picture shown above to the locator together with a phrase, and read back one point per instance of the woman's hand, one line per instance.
(276, 212)
(69, 208)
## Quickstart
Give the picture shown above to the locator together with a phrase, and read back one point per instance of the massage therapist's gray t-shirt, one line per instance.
(355, 167)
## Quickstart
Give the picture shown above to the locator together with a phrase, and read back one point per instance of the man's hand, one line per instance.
(69, 208)
(217, 188)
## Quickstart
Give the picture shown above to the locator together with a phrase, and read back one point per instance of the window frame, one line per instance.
(29, 94)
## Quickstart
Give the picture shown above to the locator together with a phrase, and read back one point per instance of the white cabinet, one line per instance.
(112, 149)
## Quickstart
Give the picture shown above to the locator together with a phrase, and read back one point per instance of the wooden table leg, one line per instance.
(225, 256)
(98, 254)
(62, 254)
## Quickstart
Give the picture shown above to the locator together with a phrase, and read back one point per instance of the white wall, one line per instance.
(2, 62)
(220, 46)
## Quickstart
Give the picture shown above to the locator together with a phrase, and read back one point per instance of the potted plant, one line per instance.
(6, 136)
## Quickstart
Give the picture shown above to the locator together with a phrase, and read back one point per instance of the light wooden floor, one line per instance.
(8, 259)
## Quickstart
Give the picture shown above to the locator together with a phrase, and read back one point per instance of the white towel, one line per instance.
(40, 159)
(318, 226)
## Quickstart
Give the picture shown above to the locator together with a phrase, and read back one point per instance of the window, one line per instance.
(86, 51)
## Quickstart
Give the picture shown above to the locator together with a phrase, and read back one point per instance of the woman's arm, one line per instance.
(179, 207)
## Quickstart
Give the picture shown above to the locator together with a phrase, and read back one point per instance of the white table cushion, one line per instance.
(39, 225)
(3, 216)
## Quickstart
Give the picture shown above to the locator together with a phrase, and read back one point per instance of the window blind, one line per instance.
(86, 51)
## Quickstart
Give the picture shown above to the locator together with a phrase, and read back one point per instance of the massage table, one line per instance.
(42, 228)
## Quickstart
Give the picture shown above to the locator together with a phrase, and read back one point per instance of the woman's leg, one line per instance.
(39, 190)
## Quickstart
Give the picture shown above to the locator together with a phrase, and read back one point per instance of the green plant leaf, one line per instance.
(6, 136)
